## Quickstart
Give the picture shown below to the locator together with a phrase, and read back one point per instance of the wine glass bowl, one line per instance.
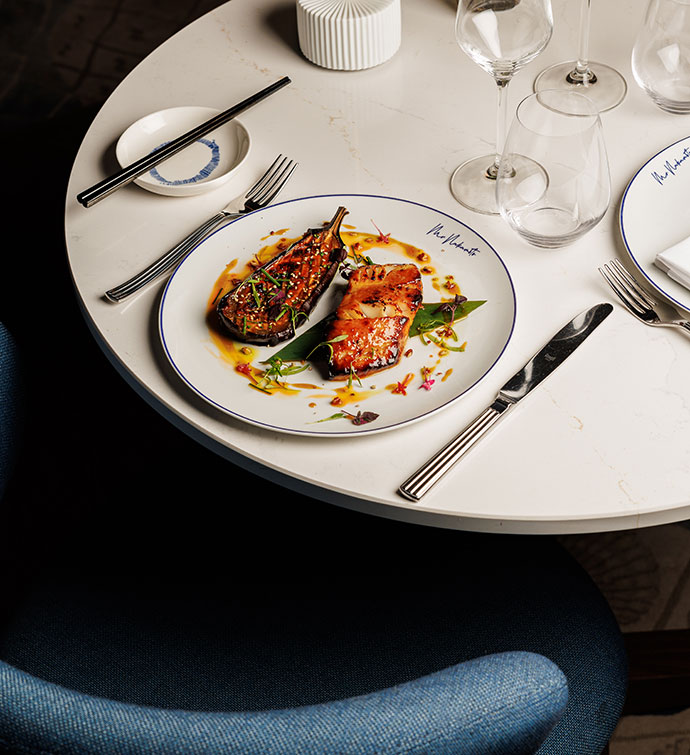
(661, 55)
(500, 36)
(503, 36)
(563, 188)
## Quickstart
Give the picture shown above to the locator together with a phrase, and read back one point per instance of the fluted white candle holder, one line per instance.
(348, 35)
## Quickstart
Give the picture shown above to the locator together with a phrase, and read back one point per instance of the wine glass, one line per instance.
(501, 36)
(568, 190)
(601, 83)
(661, 55)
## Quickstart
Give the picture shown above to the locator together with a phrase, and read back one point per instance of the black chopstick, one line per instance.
(106, 187)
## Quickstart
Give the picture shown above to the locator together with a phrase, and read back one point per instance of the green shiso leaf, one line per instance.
(426, 319)
(301, 346)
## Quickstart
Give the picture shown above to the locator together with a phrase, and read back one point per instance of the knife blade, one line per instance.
(525, 380)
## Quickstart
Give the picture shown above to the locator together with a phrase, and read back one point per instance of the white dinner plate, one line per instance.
(454, 250)
(654, 215)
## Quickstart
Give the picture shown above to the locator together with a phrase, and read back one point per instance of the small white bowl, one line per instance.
(204, 165)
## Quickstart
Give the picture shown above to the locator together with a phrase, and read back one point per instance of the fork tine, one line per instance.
(632, 283)
(271, 191)
(267, 176)
(620, 292)
(630, 290)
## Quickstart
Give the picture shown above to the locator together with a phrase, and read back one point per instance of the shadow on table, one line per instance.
(282, 20)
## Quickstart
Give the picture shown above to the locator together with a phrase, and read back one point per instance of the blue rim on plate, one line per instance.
(174, 305)
(635, 256)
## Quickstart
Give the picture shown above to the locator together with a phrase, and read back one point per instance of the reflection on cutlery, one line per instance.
(554, 353)
(261, 194)
(638, 301)
(125, 176)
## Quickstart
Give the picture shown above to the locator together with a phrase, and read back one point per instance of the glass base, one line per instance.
(550, 227)
(606, 90)
(473, 187)
(676, 105)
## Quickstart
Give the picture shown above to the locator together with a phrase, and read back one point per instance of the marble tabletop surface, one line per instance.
(604, 444)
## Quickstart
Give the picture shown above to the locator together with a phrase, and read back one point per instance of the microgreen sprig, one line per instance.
(270, 277)
(361, 418)
(384, 238)
(353, 376)
(294, 314)
(255, 294)
(443, 345)
(360, 259)
(451, 306)
(278, 368)
(337, 339)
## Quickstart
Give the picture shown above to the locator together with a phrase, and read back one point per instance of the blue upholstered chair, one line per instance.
(366, 637)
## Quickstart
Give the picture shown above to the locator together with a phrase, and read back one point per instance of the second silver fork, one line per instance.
(262, 193)
(640, 302)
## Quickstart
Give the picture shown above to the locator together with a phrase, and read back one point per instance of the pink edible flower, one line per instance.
(427, 384)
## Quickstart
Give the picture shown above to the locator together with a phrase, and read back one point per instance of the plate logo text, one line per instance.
(451, 239)
(670, 167)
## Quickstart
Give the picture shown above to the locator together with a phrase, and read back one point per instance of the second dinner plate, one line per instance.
(450, 255)
(654, 215)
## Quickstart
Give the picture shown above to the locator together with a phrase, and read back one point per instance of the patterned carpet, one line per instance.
(64, 54)
(652, 735)
(59, 60)
(645, 575)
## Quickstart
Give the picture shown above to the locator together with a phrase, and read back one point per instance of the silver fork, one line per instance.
(639, 302)
(261, 194)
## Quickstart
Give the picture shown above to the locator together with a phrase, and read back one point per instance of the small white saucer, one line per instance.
(204, 165)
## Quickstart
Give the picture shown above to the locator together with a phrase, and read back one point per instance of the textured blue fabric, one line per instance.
(137, 611)
(505, 703)
(9, 415)
(323, 626)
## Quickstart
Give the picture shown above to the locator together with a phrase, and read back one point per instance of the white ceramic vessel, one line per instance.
(205, 165)
(348, 35)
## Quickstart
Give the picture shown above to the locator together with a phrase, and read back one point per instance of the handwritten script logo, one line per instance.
(670, 167)
(451, 239)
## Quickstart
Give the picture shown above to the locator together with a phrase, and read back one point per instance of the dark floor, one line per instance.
(146, 499)
(58, 62)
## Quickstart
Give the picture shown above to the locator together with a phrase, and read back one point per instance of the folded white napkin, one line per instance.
(675, 262)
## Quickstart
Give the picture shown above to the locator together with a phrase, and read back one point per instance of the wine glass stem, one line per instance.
(501, 125)
(582, 74)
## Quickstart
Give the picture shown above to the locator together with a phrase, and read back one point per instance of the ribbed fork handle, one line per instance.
(168, 260)
(685, 325)
(438, 465)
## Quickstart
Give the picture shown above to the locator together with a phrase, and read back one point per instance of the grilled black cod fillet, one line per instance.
(375, 316)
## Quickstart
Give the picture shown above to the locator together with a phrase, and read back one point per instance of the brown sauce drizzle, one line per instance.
(242, 355)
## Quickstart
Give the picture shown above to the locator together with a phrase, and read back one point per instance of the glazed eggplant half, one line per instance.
(373, 320)
(266, 307)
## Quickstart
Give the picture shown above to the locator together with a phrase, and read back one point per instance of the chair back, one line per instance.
(10, 405)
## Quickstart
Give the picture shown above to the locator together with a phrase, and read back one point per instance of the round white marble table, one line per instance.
(603, 444)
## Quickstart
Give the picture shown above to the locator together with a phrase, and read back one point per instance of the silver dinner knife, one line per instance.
(540, 366)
